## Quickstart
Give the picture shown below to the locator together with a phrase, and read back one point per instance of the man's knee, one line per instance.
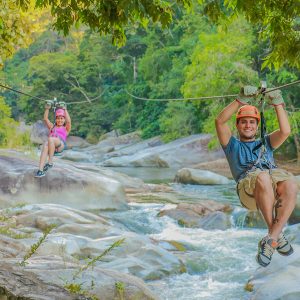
(287, 187)
(263, 181)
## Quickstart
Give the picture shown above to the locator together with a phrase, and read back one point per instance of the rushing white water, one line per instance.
(219, 263)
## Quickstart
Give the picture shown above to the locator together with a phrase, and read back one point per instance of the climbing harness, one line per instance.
(262, 162)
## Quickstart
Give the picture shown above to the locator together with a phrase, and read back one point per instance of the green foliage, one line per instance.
(10, 136)
(93, 261)
(120, 288)
(36, 245)
(108, 17)
(178, 120)
(17, 27)
(8, 225)
(220, 65)
(76, 288)
(277, 22)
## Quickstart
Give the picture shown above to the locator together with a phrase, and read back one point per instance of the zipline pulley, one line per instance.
(55, 104)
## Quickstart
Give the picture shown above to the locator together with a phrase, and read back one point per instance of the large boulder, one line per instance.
(64, 183)
(207, 214)
(81, 235)
(39, 132)
(116, 140)
(219, 166)
(183, 152)
(194, 176)
(76, 142)
(48, 278)
(133, 148)
(280, 280)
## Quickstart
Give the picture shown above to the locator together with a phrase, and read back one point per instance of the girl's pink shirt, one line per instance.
(59, 132)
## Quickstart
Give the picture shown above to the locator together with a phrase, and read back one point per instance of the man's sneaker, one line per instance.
(39, 174)
(47, 167)
(266, 248)
(284, 247)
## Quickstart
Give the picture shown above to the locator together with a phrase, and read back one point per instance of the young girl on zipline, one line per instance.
(56, 142)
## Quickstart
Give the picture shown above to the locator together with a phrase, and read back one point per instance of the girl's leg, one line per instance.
(54, 143)
(43, 156)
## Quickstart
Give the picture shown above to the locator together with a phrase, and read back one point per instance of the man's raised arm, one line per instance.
(280, 135)
(223, 129)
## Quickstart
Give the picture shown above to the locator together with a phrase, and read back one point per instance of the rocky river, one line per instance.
(134, 219)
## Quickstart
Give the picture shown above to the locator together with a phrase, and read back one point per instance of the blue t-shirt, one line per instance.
(241, 157)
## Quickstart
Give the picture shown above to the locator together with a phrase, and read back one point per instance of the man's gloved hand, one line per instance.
(247, 93)
(274, 98)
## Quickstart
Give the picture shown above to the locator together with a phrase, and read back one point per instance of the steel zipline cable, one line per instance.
(207, 97)
(156, 99)
(45, 100)
(22, 93)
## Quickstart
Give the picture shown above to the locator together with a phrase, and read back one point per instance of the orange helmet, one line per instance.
(248, 111)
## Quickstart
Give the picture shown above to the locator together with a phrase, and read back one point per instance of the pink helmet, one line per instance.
(60, 112)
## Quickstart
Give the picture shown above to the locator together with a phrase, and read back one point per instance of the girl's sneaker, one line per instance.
(39, 174)
(47, 167)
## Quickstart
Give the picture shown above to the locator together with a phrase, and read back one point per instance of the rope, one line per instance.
(208, 97)
(22, 93)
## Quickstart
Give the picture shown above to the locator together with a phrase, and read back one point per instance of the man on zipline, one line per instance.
(260, 184)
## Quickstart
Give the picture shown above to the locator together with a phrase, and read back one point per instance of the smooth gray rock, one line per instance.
(205, 214)
(39, 132)
(76, 142)
(179, 153)
(63, 184)
(280, 280)
(84, 235)
(195, 176)
(44, 278)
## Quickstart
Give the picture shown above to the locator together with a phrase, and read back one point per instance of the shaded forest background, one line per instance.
(192, 58)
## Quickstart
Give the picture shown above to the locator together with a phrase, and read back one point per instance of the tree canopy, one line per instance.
(277, 21)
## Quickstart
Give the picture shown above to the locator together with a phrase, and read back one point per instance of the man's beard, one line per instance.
(248, 138)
